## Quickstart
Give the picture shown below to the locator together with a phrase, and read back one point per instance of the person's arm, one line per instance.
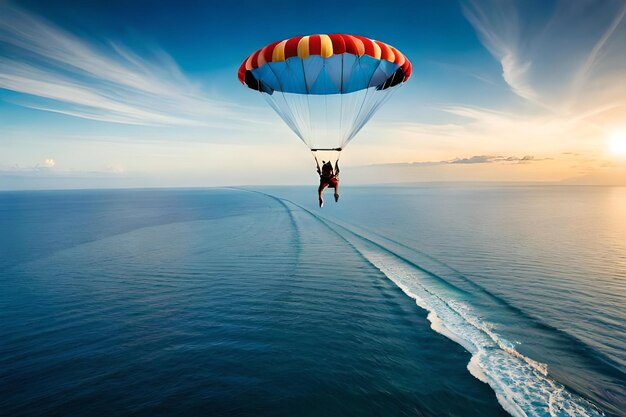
(318, 166)
(337, 167)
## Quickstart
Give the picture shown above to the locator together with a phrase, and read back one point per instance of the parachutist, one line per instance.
(330, 85)
(329, 177)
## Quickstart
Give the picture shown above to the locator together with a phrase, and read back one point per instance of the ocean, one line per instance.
(421, 300)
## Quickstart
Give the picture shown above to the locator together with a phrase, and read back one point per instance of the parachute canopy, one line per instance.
(325, 87)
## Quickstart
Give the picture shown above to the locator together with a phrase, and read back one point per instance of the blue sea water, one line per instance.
(427, 301)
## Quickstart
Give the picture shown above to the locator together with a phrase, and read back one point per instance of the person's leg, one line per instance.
(320, 190)
(336, 187)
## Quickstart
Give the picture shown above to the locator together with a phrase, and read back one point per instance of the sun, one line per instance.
(617, 143)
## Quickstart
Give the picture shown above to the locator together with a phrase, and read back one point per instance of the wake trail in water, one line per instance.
(522, 385)
(292, 220)
(598, 359)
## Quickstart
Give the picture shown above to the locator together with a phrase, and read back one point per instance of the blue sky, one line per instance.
(145, 93)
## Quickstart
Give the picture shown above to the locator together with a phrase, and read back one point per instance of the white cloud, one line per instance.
(503, 39)
(66, 74)
(568, 58)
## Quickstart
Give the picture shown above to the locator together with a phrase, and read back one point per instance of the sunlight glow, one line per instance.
(617, 143)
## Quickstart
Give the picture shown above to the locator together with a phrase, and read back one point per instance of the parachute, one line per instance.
(326, 87)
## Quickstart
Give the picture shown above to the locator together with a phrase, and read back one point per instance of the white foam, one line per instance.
(522, 385)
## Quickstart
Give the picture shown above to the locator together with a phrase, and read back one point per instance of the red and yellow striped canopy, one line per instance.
(324, 46)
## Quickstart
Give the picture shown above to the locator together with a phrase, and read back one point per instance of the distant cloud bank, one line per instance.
(476, 159)
(485, 159)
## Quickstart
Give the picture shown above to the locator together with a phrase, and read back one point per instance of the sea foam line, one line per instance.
(521, 384)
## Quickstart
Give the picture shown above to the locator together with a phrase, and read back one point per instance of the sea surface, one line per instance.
(448, 300)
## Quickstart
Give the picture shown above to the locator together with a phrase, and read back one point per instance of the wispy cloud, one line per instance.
(585, 72)
(567, 57)
(63, 73)
(481, 125)
(499, 28)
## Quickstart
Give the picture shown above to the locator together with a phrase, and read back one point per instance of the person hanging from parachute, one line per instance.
(326, 88)
(329, 177)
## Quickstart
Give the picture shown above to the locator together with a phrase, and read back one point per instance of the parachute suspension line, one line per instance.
(296, 109)
(308, 105)
(326, 110)
(309, 121)
(369, 112)
(274, 103)
(387, 94)
(341, 103)
(373, 100)
(351, 102)
(356, 118)
(355, 127)
(325, 98)
(316, 161)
